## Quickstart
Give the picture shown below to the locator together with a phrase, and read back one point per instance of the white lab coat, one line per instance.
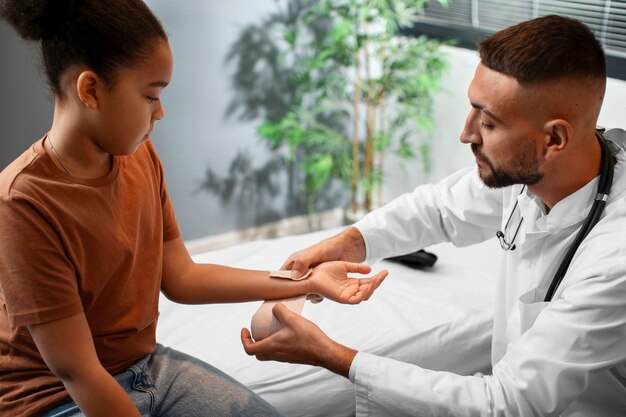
(565, 358)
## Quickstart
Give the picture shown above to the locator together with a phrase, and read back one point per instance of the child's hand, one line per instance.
(331, 280)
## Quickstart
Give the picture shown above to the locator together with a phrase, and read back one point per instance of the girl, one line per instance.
(88, 236)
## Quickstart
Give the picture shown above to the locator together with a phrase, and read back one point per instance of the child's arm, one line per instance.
(187, 282)
(66, 346)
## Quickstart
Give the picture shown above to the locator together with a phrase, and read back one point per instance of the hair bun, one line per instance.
(32, 19)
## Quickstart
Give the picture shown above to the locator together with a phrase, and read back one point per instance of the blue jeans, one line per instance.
(171, 383)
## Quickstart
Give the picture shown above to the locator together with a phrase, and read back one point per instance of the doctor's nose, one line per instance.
(471, 130)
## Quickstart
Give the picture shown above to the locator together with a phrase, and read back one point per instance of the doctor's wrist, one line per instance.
(350, 245)
(338, 358)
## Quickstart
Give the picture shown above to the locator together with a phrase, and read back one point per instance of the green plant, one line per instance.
(361, 89)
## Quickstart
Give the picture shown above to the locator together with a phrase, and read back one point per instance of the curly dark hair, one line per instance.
(102, 35)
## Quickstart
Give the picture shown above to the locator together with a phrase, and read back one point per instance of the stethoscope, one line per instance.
(604, 186)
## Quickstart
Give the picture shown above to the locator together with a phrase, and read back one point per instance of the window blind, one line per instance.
(471, 20)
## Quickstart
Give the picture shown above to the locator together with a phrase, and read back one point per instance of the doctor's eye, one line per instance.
(486, 126)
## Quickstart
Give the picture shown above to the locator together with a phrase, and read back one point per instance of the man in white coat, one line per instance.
(541, 169)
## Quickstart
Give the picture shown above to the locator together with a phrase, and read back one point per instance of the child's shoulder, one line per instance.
(148, 154)
(15, 169)
(148, 148)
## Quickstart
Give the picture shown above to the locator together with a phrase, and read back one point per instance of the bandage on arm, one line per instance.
(286, 274)
(264, 323)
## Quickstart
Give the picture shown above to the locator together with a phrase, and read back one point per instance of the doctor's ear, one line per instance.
(557, 133)
(88, 87)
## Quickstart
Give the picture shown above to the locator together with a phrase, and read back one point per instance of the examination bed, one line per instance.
(438, 318)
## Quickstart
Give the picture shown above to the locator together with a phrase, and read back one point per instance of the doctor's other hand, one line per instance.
(299, 341)
(346, 246)
(331, 281)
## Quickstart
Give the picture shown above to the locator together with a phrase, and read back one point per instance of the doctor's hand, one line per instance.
(331, 280)
(346, 246)
(299, 341)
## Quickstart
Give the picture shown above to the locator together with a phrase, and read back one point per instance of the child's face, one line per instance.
(130, 108)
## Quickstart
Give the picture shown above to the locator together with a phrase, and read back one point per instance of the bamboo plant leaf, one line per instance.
(353, 83)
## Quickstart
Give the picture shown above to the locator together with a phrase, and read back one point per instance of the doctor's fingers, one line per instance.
(247, 342)
(259, 348)
(299, 265)
(299, 262)
(271, 350)
(287, 317)
(286, 345)
(366, 287)
(296, 331)
(262, 350)
(358, 268)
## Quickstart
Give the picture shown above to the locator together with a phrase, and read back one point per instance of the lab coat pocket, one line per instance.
(530, 308)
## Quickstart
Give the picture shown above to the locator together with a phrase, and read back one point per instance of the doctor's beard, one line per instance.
(526, 171)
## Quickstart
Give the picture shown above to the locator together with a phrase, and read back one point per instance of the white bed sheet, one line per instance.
(439, 319)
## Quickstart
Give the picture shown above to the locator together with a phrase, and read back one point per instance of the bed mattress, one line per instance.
(439, 318)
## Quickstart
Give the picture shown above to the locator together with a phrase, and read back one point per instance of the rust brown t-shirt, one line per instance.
(70, 245)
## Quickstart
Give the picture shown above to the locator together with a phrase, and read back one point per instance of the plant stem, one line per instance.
(355, 121)
(381, 120)
(370, 121)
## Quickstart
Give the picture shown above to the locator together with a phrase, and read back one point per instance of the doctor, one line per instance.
(540, 166)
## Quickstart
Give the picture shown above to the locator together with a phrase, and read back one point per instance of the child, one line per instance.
(88, 236)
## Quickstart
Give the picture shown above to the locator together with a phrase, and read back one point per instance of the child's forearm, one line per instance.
(186, 282)
(98, 394)
(206, 283)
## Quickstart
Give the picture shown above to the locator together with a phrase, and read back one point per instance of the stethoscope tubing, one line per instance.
(604, 187)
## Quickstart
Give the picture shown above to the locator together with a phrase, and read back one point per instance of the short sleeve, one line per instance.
(37, 281)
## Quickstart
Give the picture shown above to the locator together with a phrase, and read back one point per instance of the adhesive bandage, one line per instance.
(286, 274)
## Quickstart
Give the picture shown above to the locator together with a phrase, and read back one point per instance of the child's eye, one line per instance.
(152, 99)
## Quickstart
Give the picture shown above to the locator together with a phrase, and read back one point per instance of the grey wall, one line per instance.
(25, 105)
(195, 134)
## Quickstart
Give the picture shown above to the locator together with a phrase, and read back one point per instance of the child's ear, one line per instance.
(88, 86)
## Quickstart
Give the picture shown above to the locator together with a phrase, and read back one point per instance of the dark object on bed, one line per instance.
(418, 260)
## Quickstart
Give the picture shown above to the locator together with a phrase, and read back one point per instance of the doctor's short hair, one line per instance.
(101, 35)
(545, 49)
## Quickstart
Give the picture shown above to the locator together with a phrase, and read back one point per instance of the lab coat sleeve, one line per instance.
(459, 209)
(577, 340)
(387, 387)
